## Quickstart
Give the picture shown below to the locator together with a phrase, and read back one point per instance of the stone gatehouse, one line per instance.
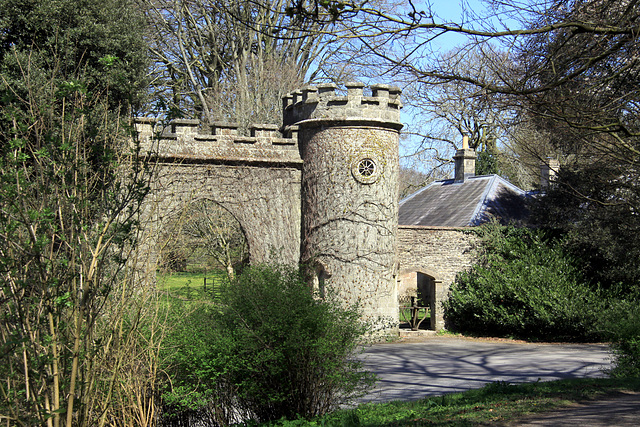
(321, 190)
(429, 259)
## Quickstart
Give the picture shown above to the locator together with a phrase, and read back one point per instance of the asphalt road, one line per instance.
(433, 366)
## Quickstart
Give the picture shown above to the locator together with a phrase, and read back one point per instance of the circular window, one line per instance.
(365, 170)
(366, 167)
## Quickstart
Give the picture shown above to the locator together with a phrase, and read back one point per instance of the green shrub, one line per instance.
(524, 286)
(193, 360)
(270, 350)
(623, 329)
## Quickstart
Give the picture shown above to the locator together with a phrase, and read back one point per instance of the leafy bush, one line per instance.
(270, 350)
(525, 286)
(623, 326)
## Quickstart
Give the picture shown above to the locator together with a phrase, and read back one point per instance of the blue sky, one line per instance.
(450, 11)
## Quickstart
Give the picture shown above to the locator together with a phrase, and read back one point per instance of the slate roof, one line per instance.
(461, 204)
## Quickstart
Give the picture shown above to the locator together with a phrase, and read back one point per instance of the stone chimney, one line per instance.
(548, 170)
(465, 161)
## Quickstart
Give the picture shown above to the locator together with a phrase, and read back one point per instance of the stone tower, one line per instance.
(349, 148)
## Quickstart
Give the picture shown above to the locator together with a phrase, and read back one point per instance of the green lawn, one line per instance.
(496, 403)
(191, 284)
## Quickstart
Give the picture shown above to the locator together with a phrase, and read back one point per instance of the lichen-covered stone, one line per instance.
(324, 193)
(438, 252)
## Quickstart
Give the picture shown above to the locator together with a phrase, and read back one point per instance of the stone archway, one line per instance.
(255, 178)
(427, 287)
(335, 165)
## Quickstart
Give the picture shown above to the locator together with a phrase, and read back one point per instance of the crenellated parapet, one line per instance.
(322, 189)
(192, 141)
(378, 104)
(349, 144)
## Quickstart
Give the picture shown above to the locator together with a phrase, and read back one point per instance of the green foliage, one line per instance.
(486, 163)
(622, 322)
(271, 349)
(595, 206)
(526, 286)
(70, 190)
(98, 42)
(197, 358)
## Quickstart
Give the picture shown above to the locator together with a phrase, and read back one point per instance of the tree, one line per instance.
(411, 180)
(568, 71)
(206, 233)
(567, 63)
(414, 28)
(70, 188)
(230, 60)
(444, 114)
(591, 120)
(595, 207)
(65, 35)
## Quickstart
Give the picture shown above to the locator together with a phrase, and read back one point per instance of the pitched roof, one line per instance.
(460, 204)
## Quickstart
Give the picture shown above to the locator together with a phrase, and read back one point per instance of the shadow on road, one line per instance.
(438, 365)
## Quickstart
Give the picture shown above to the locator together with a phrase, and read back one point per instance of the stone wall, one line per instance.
(256, 178)
(266, 203)
(326, 190)
(438, 252)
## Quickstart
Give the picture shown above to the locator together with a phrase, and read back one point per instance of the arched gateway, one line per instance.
(327, 190)
(257, 179)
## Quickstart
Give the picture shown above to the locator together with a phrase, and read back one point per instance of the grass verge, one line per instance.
(495, 403)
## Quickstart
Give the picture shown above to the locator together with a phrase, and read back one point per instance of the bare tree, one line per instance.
(231, 60)
(534, 49)
(206, 233)
(410, 180)
(442, 114)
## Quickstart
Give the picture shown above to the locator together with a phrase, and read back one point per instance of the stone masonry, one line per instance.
(257, 179)
(349, 145)
(437, 252)
(324, 194)
(321, 190)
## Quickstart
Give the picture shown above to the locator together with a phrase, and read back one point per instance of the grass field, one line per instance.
(495, 403)
(191, 284)
(188, 284)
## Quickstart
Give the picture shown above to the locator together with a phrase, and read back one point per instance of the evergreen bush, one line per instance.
(525, 286)
(622, 324)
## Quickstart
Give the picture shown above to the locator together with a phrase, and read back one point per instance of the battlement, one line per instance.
(324, 102)
(190, 140)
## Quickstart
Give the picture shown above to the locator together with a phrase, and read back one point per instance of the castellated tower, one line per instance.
(349, 148)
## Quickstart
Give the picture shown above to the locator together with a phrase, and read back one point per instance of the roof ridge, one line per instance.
(481, 206)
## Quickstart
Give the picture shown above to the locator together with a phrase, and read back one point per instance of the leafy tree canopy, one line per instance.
(75, 40)
(70, 191)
